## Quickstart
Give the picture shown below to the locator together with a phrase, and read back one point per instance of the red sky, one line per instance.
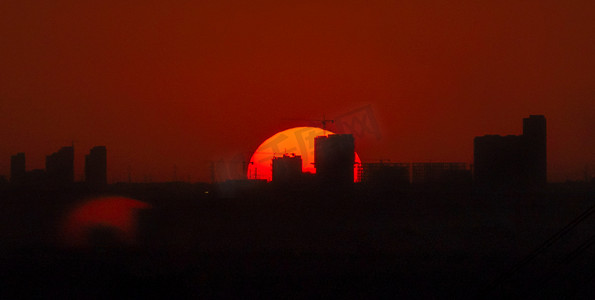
(164, 83)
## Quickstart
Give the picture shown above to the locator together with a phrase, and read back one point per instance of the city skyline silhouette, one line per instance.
(514, 161)
(228, 166)
(209, 82)
(400, 218)
(282, 149)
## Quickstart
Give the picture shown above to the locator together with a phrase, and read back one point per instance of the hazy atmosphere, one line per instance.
(182, 83)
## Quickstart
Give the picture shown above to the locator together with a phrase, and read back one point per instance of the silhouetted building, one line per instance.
(240, 187)
(287, 169)
(36, 178)
(513, 160)
(535, 136)
(96, 167)
(60, 166)
(499, 160)
(17, 168)
(385, 174)
(334, 158)
(440, 173)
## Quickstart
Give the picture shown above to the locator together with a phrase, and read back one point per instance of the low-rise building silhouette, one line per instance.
(96, 167)
(17, 168)
(287, 169)
(513, 160)
(385, 174)
(60, 166)
(440, 173)
(334, 158)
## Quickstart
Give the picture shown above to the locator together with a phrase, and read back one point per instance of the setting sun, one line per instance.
(298, 141)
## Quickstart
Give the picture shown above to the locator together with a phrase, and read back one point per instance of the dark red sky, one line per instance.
(176, 82)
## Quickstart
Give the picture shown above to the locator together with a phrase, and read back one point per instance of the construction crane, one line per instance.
(323, 121)
(379, 160)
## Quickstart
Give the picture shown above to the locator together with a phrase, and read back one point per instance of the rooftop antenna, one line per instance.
(324, 121)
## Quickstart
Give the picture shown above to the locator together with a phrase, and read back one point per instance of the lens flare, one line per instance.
(100, 219)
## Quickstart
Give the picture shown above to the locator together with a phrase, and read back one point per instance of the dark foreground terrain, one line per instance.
(353, 243)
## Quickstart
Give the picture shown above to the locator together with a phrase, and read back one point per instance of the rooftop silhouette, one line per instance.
(334, 158)
(287, 169)
(96, 167)
(515, 160)
(60, 166)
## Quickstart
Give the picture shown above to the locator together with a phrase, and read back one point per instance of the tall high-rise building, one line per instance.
(17, 168)
(96, 167)
(334, 158)
(513, 160)
(60, 166)
(287, 169)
